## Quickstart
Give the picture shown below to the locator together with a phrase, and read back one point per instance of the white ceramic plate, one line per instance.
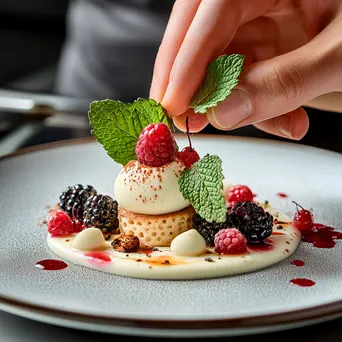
(83, 298)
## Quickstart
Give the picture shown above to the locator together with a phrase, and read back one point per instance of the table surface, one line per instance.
(324, 133)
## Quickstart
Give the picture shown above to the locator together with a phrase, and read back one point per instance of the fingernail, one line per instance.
(284, 125)
(236, 108)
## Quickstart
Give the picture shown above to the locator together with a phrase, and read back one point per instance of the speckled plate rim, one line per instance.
(218, 327)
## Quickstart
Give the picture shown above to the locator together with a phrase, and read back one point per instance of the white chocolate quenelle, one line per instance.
(147, 190)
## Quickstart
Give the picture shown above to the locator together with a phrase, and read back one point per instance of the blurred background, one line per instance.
(52, 53)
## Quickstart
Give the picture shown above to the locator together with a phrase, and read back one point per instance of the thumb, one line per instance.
(280, 85)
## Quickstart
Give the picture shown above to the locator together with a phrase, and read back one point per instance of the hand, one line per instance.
(293, 54)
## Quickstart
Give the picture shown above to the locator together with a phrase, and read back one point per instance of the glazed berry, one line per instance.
(208, 229)
(239, 193)
(251, 220)
(156, 145)
(230, 241)
(188, 156)
(101, 211)
(73, 199)
(303, 219)
(59, 223)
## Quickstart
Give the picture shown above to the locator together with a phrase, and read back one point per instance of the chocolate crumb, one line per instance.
(279, 222)
(126, 243)
(209, 259)
(155, 249)
(166, 262)
(280, 227)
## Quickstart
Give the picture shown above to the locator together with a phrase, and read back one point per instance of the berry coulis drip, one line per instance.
(282, 195)
(146, 251)
(261, 247)
(321, 236)
(51, 265)
(302, 282)
(98, 256)
(297, 262)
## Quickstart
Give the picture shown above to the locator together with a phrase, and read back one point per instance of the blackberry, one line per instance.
(208, 229)
(251, 220)
(73, 199)
(101, 211)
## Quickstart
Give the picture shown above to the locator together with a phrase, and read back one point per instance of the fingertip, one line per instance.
(174, 106)
(300, 124)
(197, 122)
(155, 94)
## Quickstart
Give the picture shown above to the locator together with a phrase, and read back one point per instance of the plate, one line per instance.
(265, 300)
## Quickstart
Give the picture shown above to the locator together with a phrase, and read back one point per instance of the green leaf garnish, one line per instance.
(202, 186)
(117, 125)
(221, 77)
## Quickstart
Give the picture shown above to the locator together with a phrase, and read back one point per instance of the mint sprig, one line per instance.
(117, 125)
(221, 77)
(202, 186)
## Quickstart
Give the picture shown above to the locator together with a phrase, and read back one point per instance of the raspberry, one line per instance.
(156, 145)
(188, 156)
(59, 223)
(239, 193)
(230, 241)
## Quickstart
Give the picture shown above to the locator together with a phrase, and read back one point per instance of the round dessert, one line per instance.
(155, 230)
(150, 203)
(166, 263)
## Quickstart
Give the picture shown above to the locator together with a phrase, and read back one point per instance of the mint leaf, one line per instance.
(221, 77)
(202, 186)
(117, 125)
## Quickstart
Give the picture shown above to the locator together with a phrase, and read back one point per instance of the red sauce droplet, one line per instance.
(297, 262)
(281, 195)
(321, 236)
(302, 282)
(146, 251)
(51, 265)
(261, 247)
(98, 256)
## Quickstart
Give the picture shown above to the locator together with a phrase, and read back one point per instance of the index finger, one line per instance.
(209, 34)
(181, 17)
